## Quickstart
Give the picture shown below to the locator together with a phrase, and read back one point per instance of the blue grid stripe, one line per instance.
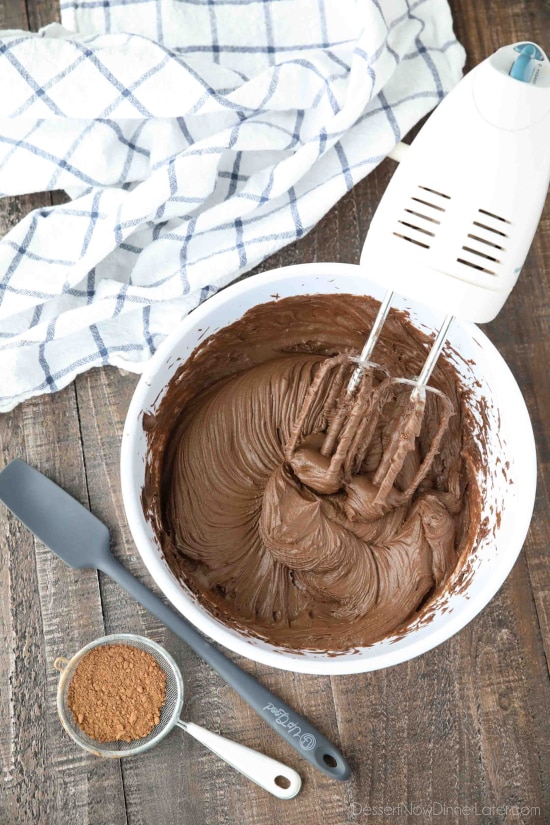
(120, 87)
(39, 91)
(127, 91)
(293, 201)
(146, 330)
(47, 86)
(241, 249)
(259, 49)
(53, 159)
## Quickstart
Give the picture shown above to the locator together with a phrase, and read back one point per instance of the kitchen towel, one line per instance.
(195, 138)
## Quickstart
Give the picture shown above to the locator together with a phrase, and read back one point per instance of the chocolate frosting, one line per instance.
(262, 533)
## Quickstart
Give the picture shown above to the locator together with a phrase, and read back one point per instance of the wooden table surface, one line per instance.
(464, 728)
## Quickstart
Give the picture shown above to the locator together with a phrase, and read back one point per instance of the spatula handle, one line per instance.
(297, 731)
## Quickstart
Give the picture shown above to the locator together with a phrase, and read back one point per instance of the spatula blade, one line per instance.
(54, 516)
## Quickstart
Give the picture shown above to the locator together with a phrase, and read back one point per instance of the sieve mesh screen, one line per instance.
(169, 713)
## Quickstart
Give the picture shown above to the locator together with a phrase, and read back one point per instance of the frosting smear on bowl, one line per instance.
(261, 546)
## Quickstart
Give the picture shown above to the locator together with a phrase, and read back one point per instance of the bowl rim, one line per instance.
(251, 648)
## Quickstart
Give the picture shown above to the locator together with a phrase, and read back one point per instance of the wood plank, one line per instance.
(522, 334)
(47, 610)
(13, 14)
(22, 693)
(522, 330)
(42, 12)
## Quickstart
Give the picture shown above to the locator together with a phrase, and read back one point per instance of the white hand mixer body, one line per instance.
(456, 221)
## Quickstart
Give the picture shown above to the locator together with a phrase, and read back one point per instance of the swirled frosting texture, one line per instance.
(265, 551)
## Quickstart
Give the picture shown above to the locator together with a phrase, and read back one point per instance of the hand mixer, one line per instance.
(452, 231)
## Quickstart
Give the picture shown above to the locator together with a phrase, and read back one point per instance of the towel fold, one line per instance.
(195, 139)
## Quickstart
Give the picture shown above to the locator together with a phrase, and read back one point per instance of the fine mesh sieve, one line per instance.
(273, 776)
(168, 716)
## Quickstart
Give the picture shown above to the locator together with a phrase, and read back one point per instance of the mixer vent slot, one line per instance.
(411, 240)
(480, 254)
(435, 192)
(428, 203)
(431, 198)
(486, 220)
(475, 266)
(490, 229)
(420, 215)
(492, 215)
(418, 228)
(485, 241)
(421, 220)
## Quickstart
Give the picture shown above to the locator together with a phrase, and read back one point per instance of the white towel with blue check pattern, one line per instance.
(195, 138)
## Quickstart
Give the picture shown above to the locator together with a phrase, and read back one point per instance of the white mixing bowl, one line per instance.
(510, 453)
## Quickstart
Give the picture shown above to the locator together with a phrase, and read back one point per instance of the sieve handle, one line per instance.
(268, 773)
(294, 729)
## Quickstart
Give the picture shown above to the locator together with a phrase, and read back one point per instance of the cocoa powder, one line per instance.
(117, 693)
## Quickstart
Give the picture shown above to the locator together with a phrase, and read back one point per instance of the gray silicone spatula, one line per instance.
(82, 541)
